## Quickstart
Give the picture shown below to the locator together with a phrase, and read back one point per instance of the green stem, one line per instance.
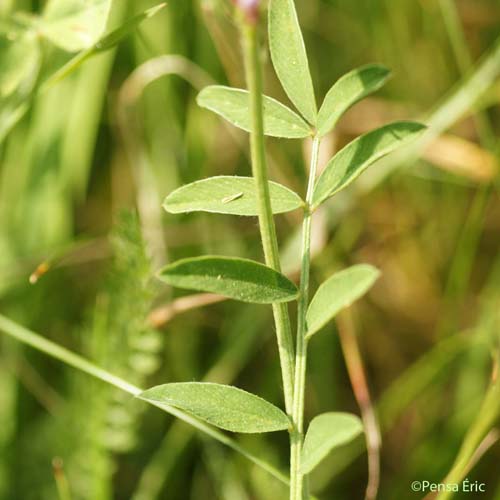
(467, 245)
(61, 480)
(297, 484)
(486, 419)
(39, 343)
(266, 220)
(56, 351)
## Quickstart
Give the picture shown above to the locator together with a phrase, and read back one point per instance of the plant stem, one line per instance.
(56, 351)
(485, 420)
(61, 480)
(39, 343)
(296, 477)
(356, 370)
(266, 220)
(467, 245)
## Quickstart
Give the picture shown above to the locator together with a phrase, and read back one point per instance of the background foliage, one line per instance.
(115, 137)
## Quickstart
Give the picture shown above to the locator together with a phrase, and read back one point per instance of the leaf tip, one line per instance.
(154, 10)
(375, 271)
(413, 126)
(383, 70)
(200, 96)
(166, 205)
(162, 272)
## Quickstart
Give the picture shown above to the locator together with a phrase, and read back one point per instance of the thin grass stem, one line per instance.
(357, 375)
(487, 416)
(39, 343)
(62, 485)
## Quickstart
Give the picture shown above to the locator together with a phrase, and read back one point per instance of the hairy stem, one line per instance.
(266, 220)
(297, 483)
(58, 352)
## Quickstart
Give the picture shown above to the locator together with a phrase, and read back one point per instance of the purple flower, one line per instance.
(249, 7)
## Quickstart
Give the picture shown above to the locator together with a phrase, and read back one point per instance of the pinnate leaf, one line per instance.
(239, 279)
(223, 406)
(337, 292)
(229, 195)
(289, 57)
(234, 105)
(358, 155)
(348, 90)
(326, 432)
(75, 25)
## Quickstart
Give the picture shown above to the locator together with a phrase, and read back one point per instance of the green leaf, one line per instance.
(224, 406)
(112, 38)
(326, 432)
(108, 41)
(19, 65)
(20, 62)
(10, 114)
(233, 105)
(228, 195)
(231, 277)
(358, 155)
(347, 91)
(289, 57)
(75, 25)
(337, 292)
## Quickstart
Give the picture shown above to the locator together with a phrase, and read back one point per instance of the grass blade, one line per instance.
(74, 25)
(69, 358)
(13, 112)
(108, 41)
(19, 65)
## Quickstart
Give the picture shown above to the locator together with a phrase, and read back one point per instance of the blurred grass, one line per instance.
(66, 170)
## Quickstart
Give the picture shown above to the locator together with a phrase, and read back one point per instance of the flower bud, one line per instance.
(250, 8)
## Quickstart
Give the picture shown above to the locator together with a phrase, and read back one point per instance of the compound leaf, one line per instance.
(289, 57)
(224, 406)
(358, 155)
(239, 279)
(337, 292)
(229, 195)
(347, 91)
(233, 105)
(326, 432)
